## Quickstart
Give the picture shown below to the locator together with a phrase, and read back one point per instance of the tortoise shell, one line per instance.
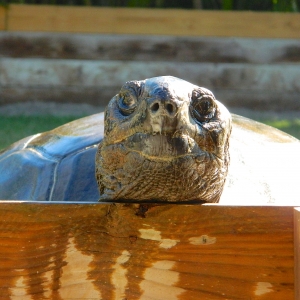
(59, 165)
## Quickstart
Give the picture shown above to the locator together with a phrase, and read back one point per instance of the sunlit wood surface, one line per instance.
(2, 18)
(108, 251)
(176, 22)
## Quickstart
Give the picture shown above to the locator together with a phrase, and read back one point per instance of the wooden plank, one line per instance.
(2, 18)
(147, 48)
(268, 87)
(153, 21)
(297, 252)
(114, 251)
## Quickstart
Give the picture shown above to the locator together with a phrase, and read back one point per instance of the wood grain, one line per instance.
(175, 22)
(2, 18)
(145, 48)
(114, 251)
(297, 252)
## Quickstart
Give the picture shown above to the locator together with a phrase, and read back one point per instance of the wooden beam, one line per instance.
(297, 252)
(176, 22)
(2, 18)
(114, 251)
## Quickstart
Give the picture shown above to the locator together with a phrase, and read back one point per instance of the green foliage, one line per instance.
(256, 5)
(227, 4)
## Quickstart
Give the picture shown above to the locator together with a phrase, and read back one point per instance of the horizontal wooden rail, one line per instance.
(114, 251)
(176, 22)
(263, 86)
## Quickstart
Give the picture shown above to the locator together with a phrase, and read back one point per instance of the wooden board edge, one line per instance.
(174, 22)
(297, 252)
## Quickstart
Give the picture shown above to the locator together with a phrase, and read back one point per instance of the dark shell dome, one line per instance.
(59, 165)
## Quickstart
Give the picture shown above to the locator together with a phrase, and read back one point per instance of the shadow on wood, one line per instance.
(128, 251)
(297, 252)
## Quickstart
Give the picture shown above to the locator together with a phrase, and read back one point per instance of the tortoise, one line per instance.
(161, 139)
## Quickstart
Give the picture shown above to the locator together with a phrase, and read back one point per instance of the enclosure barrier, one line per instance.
(116, 251)
(108, 251)
(47, 53)
(176, 22)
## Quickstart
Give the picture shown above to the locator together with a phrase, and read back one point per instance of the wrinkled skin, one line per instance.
(165, 140)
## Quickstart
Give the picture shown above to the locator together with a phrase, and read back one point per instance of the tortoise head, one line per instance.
(166, 140)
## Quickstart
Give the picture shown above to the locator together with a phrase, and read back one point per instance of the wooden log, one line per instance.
(2, 18)
(176, 22)
(116, 251)
(266, 87)
(147, 48)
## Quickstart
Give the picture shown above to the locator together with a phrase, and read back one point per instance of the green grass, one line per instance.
(289, 126)
(17, 127)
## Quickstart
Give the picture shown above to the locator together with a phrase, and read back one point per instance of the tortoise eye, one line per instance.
(202, 107)
(128, 99)
(127, 103)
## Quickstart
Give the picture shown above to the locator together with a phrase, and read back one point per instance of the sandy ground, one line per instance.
(71, 109)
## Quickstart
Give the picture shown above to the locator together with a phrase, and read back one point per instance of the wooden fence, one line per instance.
(175, 22)
(253, 68)
(107, 251)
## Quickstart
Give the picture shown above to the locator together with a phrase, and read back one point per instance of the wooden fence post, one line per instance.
(297, 252)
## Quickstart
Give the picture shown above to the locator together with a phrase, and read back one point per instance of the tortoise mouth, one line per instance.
(162, 146)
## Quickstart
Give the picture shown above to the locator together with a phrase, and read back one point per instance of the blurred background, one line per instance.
(254, 5)
(65, 59)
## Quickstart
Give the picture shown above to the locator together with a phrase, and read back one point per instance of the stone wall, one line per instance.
(90, 68)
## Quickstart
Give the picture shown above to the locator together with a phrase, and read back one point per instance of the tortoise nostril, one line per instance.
(155, 107)
(170, 108)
